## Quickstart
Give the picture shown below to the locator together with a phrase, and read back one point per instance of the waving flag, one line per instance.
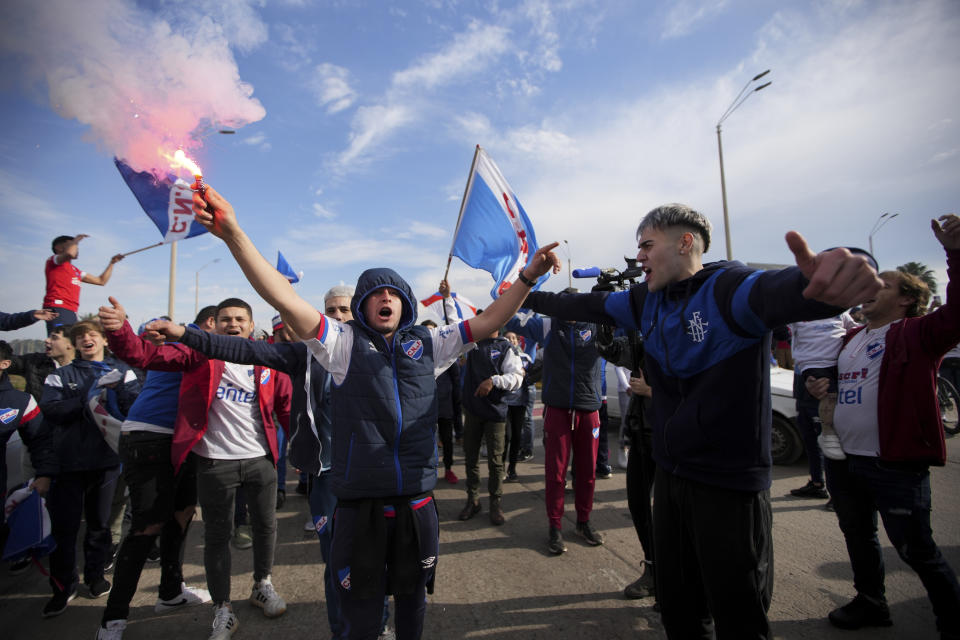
(286, 270)
(493, 231)
(462, 309)
(167, 201)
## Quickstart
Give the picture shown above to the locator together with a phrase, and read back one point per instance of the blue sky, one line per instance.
(359, 121)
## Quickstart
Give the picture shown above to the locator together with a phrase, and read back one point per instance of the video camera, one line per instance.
(612, 279)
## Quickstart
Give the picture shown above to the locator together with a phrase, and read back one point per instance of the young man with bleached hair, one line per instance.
(706, 330)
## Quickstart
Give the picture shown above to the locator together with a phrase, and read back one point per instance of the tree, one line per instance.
(921, 271)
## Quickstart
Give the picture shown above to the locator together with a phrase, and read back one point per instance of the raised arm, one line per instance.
(503, 308)
(217, 215)
(13, 321)
(136, 351)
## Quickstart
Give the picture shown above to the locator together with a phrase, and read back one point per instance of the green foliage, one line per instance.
(921, 271)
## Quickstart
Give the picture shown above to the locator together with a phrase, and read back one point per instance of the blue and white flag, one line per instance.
(167, 201)
(286, 270)
(493, 232)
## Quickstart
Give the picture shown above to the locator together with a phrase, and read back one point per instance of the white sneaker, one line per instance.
(622, 457)
(308, 525)
(187, 596)
(264, 596)
(225, 622)
(113, 630)
(387, 634)
(830, 446)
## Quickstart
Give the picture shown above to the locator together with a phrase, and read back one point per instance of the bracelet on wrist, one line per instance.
(525, 280)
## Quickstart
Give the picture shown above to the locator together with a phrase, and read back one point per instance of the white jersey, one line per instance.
(234, 426)
(334, 344)
(858, 383)
(815, 344)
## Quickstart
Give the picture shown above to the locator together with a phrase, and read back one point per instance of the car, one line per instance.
(786, 445)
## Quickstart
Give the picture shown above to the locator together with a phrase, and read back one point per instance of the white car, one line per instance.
(786, 445)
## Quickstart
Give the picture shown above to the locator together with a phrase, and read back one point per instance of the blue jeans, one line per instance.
(900, 491)
(808, 418)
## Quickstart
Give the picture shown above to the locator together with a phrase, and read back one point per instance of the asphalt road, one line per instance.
(500, 582)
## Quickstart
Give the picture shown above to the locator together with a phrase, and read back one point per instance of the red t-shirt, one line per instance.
(63, 285)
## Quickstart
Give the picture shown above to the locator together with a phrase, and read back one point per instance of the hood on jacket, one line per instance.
(682, 289)
(371, 280)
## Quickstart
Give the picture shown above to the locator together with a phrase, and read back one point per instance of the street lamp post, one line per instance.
(882, 220)
(739, 100)
(569, 269)
(196, 303)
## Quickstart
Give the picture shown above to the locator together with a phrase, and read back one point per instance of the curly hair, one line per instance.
(910, 286)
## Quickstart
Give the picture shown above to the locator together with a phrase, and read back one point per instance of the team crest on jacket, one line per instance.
(494, 354)
(585, 334)
(596, 433)
(413, 348)
(8, 415)
(344, 576)
(697, 328)
(265, 376)
(320, 523)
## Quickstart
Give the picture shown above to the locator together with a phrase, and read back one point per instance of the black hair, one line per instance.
(58, 240)
(6, 351)
(205, 313)
(234, 302)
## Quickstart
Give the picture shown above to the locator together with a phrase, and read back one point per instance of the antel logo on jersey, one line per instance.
(8, 415)
(413, 348)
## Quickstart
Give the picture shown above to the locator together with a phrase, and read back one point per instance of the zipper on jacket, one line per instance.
(396, 397)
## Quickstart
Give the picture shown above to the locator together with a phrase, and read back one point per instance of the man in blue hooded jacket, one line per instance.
(384, 409)
(706, 332)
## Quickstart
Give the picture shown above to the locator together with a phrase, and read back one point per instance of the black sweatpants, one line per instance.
(714, 558)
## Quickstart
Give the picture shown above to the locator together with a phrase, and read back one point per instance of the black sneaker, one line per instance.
(556, 545)
(99, 588)
(58, 603)
(17, 567)
(114, 548)
(861, 612)
(154, 554)
(512, 476)
(829, 506)
(302, 488)
(642, 587)
(604, 472)
(811, 490)
(586, 531)
(526, 455)
(281, 498)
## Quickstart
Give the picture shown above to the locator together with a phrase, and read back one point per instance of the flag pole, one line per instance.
(130, 253)
(463, 203)
(173, 277)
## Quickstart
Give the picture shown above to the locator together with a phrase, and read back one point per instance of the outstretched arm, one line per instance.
(104, 277)
(502, 309)
(216, 214)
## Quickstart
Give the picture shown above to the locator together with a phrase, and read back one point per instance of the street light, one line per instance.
(882, 220)
(739, 100)
(566, 246)
(196, 303)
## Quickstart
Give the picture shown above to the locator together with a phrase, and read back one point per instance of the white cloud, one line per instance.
(685, 16)
(466, 54)
(258, 140)
(372, 125)
(322, 212)
(331, 87)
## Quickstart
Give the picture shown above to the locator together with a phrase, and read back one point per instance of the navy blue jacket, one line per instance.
(707, 342)
(13, 321)
(571, 365)
(309, 420)
(19, 412)
(484, 362)
(77, 439)
(385, 410)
